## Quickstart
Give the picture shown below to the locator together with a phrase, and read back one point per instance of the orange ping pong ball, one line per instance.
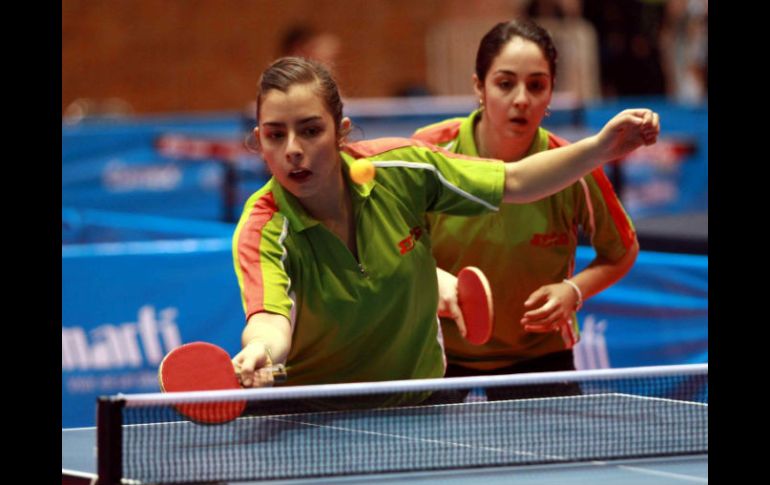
(362, 171)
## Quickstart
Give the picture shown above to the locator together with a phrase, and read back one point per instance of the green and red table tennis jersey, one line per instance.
(371, 318)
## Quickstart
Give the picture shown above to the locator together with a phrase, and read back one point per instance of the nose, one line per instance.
(521, 97)
(294, 150)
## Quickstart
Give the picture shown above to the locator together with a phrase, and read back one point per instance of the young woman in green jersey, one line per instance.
(337, 279)
(527, 251)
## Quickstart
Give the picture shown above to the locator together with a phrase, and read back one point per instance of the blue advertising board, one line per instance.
(671, 176)
(656, 315)
(125, 166)
(122, 166)
(125, 305)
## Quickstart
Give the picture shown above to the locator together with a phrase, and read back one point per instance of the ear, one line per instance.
(478, 88)
(345, 127)
(256, 145)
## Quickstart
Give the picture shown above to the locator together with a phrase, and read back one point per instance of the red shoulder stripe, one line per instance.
(556, 141)
(371, 148)
(441, 132)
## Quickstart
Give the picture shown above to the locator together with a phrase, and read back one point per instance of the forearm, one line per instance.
(550, 306)
(547, 172)
(602, 273)
(271, 330)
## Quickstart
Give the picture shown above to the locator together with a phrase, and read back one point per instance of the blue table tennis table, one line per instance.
(530, 441)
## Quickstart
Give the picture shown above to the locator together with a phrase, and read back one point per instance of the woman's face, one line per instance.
(517, 90)
(298, 139)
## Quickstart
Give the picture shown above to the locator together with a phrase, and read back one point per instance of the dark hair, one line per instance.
(497, 38)
(289, 71)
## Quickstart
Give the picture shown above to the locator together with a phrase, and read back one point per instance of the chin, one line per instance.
(519, 133)
(303, 191)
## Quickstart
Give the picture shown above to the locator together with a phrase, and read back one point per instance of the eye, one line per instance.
(275, 135)
(312, 131)
(505, 84)
(537, 86)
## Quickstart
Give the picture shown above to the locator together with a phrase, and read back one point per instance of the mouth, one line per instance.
(300, 175)
(518, 120)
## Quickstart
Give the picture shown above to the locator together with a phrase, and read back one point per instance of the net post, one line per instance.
(109, 440)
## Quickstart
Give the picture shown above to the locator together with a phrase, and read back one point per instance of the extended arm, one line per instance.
(550, 171)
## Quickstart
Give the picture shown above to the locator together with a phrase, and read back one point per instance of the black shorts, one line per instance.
(558, 361)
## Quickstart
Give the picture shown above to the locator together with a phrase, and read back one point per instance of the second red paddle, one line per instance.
(474, 297)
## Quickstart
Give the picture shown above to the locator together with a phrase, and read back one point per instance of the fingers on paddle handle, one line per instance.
(272, 374)
(279, 373)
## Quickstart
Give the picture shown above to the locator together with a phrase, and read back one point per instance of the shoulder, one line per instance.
(441, 132)
(379, 146)
(555, 141)
(261, 203)
(579, 187)
(400, 150)
(595, 176)
(261, 217)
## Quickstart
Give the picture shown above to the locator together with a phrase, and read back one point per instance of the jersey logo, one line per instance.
(407, 244)
(550, 240)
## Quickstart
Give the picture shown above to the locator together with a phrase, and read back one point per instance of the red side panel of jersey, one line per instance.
(248, 248)
(608, 193)
(617, 213)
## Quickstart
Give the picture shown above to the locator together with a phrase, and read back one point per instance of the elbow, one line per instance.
(634, 249)
(524, 187)
(630, 257)
(515, 192)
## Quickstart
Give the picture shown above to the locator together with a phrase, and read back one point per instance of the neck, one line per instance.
(491, 145)
(333, 207)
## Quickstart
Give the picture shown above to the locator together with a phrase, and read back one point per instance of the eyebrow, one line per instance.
(511, 73)
(309, 119)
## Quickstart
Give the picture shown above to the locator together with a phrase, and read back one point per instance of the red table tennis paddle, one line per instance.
(201, 366)
(474, 297)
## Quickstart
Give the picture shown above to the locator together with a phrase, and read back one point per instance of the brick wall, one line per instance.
(203, 55)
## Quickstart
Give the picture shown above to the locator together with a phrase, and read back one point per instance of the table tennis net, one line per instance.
(345, 429)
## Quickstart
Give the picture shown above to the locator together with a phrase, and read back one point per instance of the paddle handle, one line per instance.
(278, 371)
